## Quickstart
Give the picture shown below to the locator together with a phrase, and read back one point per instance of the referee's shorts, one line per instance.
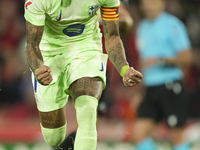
(168, 102)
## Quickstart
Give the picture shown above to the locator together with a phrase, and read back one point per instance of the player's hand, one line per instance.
(43, 75)
(132, 77)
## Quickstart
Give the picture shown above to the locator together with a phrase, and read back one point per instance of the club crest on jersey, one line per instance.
(92, 9)
(28, 3)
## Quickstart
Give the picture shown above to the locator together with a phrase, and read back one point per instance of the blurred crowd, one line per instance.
(15, 86)
(117, 101)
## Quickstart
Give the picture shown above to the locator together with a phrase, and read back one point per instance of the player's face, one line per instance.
(152, 8)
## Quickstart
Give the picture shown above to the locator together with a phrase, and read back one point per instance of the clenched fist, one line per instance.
(132, 77)
(43, 75)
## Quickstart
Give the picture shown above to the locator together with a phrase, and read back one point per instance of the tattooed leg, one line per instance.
(53, 126)
(86, 86)
(86, 92)
(53, 119)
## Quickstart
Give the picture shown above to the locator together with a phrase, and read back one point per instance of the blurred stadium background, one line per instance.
(19, 120)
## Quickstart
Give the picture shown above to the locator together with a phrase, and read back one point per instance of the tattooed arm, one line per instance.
(33, 38)
(116, 52)
(114, 45)
(34, 56)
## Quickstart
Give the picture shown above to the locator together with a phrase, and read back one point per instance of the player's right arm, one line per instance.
(33, 54)
(35, 21)
(33, 38)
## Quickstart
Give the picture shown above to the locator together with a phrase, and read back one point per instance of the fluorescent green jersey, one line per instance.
(70, 25)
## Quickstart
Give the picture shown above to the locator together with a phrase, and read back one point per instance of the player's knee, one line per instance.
(94, 87)
(96, 95)
(54, 137)
(86, 110)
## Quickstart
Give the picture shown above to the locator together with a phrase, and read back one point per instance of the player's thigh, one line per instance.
(142, 128)
(91, 86)
(53, 119)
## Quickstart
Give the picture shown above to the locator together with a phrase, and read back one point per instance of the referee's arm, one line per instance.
(183, 58)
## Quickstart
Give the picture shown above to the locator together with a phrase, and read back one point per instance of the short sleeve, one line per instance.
(34, 12)
(109, 3)
(179, 36)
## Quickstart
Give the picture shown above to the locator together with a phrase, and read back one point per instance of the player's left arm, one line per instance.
(116, 52)
(113, 44)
